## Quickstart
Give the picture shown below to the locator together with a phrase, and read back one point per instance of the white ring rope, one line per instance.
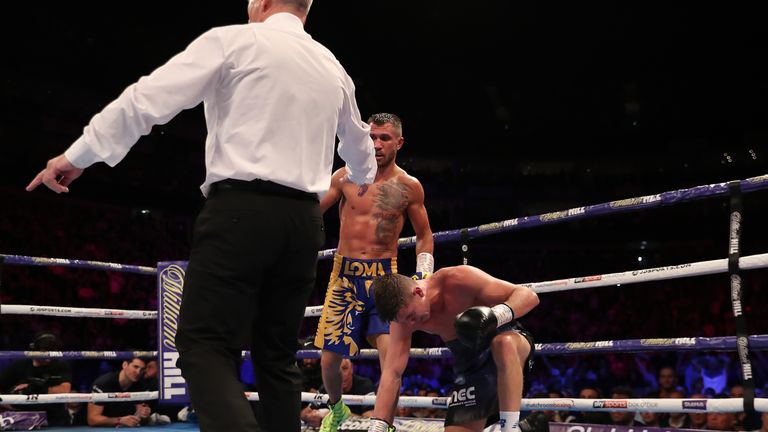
(720, 343)
(558, 404)
(645, 405)
(35, 399)
(750, 262)
(76, 312)
(563, 404)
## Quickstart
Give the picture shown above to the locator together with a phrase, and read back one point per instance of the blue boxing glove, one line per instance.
(476, 326)
(425, 266)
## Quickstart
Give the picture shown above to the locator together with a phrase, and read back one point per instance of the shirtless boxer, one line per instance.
(474, 314)
(372, 218)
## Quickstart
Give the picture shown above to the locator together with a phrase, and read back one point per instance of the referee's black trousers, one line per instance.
(250, 274)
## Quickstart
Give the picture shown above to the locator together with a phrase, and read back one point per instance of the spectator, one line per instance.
(653, 419)
(764, 424)
(678, 420)
(667, 382)
(78, 414)
(405, 411)
(698, 419)
(116, 414)
(41, 376)
(591, 391)
(160, 413)
(351, 384)
(721, 421)
(713, 371)
(622, 418)
(428, 412)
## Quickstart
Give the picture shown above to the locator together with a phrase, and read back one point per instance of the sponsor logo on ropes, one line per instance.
(668, 341)
(560, 403)
(354, 399)
(490, 227)
(562, 214)
(588, 279)
(746, 366)
(123, 395)
(39, 260)
(432, 352)
(587, 345)
(441, 402)
(114, 313)
(464, 396)
(73, 397)
(642, 404)
(622, 403)
(758, 179)
(96, 354)
(402, 424)
(734, 233)
(495, 226)
(611, 403)
(660, 269)
(402, 241)
(635, 201)
(695, 404)
(49, 309)
(314, 310)
(736, 294)
(561, 282)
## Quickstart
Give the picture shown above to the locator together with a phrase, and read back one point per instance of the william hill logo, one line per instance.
(695, 404)
(609, 404)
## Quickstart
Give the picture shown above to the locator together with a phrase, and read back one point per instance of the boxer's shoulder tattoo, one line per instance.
(391, 197)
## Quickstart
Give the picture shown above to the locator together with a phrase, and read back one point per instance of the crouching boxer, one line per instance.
(475, 315)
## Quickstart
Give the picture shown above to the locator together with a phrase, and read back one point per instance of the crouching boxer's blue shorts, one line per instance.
(475, 391)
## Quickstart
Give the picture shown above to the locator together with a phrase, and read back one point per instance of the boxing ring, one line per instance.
(733, 264)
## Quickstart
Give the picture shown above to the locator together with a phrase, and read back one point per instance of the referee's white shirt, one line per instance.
(274, 99)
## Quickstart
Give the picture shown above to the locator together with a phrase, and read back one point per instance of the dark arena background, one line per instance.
(509, 110)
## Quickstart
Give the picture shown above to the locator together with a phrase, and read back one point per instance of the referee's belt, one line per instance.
(260, 186)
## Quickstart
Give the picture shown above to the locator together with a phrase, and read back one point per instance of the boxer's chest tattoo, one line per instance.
(390, 201)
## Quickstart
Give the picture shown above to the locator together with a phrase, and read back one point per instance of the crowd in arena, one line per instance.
(691, 307)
